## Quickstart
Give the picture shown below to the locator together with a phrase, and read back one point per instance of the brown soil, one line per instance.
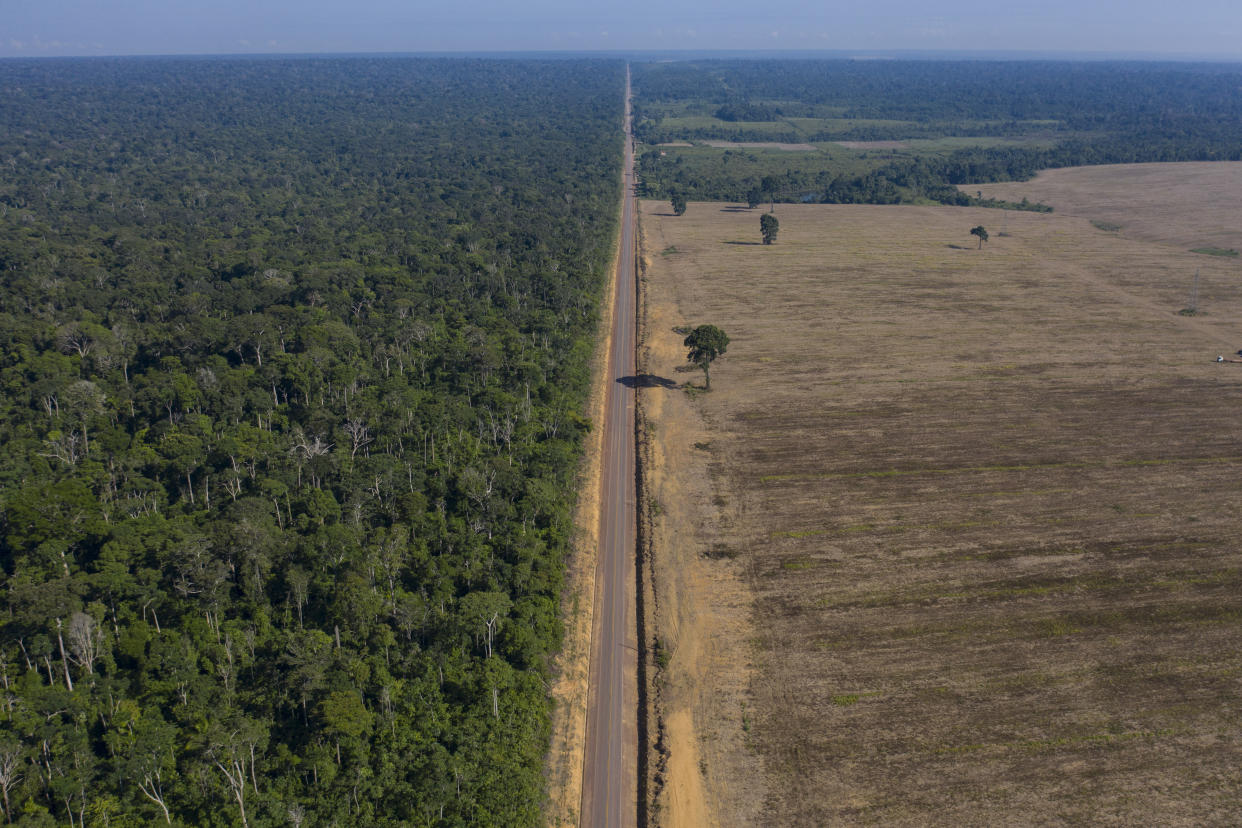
(696, 605)
(954, 539)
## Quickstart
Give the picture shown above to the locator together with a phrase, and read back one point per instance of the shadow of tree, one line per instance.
(742, 242)
(647, 381)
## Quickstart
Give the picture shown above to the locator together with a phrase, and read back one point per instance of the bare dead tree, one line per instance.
(71, 337)
(151, 782)
(233, 754)
(306, 449)
(65, 447)
(359, 436)
(85, 641)
(10, 773)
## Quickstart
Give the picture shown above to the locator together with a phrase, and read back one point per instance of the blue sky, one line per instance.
(119, 27)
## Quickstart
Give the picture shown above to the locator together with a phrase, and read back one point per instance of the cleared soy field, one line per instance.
(955, 538)
(1195, 205)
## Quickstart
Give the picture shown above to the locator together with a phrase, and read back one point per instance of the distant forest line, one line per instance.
(1037, 115)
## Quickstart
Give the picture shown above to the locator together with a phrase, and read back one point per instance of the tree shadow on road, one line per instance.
(648, 381)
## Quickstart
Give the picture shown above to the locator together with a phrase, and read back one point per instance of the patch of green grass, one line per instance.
(690, 123)
(800, 533)
(797, 564)
(669, 251)
(850, 699)
(1056, 627)
(1106, 226)
(956, 142)
(1215, 251)
(857, 527)
(662, 655)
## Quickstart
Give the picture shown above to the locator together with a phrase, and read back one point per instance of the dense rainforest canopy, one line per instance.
(944, 123)
(293, 354)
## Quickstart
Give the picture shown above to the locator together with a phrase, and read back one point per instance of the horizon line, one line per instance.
(1016, 55)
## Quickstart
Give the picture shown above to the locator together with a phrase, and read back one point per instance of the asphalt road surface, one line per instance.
(610, 783)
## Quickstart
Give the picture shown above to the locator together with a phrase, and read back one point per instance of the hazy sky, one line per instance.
(118, 27)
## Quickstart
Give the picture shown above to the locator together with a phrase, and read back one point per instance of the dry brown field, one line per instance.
(762, 145)
(956, 537)
(1192, 204)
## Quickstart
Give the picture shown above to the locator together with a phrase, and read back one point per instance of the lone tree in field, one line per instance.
(706, 342)
(769, 227)
(679, 204)
(981, 233)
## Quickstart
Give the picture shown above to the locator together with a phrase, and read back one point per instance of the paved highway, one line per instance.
(610, 786)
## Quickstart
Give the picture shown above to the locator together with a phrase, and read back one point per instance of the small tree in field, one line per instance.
(706, 342)
(753, 197)
(769, 227)
(679, 204)
(981, 233)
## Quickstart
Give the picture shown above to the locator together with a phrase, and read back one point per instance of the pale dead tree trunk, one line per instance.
(64, 660)
(10, 775)
(153, 788)
(299, 590)
(491, 631)
(234, 771)
(226, 666)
